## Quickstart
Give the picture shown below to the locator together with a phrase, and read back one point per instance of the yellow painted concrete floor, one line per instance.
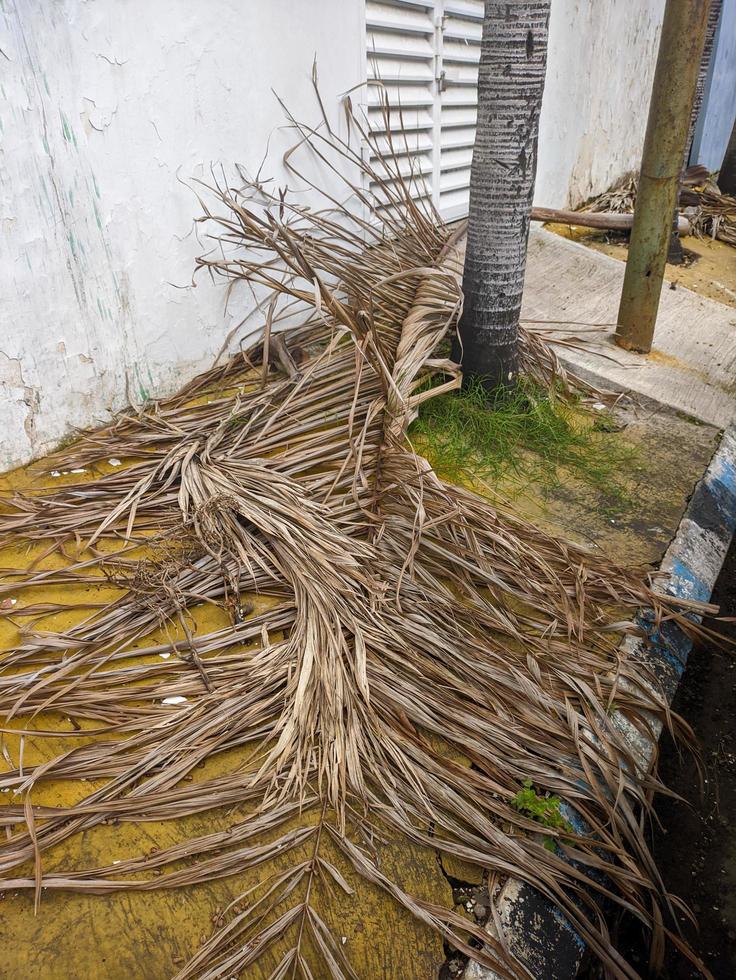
(145, 935)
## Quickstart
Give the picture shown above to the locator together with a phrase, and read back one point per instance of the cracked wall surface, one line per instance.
(107, 111)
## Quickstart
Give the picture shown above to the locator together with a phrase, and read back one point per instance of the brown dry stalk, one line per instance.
(425, 653)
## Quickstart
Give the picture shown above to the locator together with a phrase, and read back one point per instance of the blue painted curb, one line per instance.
(536, 932)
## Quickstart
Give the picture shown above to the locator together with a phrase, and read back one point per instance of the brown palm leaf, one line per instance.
(418, 655)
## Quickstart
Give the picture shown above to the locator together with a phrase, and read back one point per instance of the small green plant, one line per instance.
(544, 809)
(524, 434)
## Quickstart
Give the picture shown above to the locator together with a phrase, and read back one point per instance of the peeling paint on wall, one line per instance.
(106, 110)
(19, 401)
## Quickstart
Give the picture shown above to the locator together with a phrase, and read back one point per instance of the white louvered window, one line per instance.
(426, 53)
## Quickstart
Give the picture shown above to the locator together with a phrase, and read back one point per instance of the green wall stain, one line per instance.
(65, 127)
(143, 392)
(47, 196)
(69, 134)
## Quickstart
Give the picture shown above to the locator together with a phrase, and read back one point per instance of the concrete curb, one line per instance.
(536, 932)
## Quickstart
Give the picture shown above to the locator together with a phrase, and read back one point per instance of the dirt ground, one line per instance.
(695, 847)
(709, 269)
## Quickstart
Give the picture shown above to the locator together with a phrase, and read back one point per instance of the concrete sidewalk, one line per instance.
(692, 367)
(691, 370)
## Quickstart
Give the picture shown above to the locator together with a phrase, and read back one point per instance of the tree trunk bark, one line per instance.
(510, 86)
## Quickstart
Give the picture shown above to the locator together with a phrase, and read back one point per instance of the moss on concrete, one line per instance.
(524, 437)
(615, 480)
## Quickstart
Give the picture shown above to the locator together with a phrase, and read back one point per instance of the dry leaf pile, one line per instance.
(425, 655)
(711, 213)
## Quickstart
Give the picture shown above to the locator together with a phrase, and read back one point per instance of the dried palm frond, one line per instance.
(711, 213)
(422, 656)
(619, 199)
(715, 213)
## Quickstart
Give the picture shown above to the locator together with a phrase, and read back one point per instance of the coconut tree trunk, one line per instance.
(510, 86)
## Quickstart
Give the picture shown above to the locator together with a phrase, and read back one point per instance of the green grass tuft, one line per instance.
(523, 435)
(544, 809)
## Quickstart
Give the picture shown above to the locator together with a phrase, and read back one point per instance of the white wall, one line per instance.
(600, 70)
(104, 105)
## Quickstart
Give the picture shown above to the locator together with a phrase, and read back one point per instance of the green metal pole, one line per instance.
(675, 78)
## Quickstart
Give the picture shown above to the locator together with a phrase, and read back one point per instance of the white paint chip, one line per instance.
(55, 473)
(176, 699)
(114, 462)
(164, 656)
